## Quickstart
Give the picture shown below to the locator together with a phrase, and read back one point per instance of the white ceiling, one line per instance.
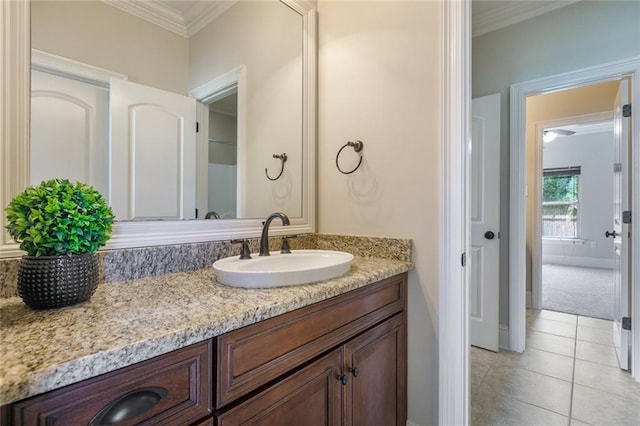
(187, 17)
(588, 128)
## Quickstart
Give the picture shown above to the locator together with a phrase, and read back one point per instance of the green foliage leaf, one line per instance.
(59, 217)
(560, 188)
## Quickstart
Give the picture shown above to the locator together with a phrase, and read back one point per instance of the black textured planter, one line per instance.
(55, 281)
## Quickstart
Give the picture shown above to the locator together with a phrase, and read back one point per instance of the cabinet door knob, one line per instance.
(354, 371)
(343, 379)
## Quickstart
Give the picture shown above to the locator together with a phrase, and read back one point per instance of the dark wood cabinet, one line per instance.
(362, 382)
(173, 389)
(310, 397)
(252, 356)
(376, 368)
(341, 361)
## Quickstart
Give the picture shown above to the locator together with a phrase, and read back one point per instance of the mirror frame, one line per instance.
(15, 69)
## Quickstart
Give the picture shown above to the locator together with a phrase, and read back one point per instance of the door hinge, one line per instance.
(626, 323)
(196, 213)
(197, 127)
(463, 259)
(626, 110)
(626, 216)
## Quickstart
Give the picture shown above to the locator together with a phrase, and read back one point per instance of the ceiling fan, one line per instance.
(549, 135)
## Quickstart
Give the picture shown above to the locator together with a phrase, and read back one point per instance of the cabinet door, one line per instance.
(309, 397)
(375, 363)
(252, 356)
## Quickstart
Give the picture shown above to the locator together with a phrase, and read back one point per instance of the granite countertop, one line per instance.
(132, 321)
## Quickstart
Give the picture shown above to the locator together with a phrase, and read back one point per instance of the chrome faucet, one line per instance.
(264, 239)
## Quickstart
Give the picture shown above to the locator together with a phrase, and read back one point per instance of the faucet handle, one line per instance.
(245, 252)
(284, 247)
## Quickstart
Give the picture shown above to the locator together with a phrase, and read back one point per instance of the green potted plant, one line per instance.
(60, 225)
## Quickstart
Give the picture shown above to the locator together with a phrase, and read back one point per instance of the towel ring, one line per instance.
(357, 147)
(282, 157)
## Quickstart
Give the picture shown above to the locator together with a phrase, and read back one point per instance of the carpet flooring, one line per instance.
(576, 290)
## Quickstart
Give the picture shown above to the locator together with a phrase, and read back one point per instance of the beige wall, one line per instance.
(100, 35)
(379, 82)
(266, 38)
(568, 103)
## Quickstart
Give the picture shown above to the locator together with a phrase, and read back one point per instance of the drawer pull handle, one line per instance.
(128, 406)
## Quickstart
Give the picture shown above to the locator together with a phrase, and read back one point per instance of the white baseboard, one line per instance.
(587, 262)
(410, 423)
(503, 336)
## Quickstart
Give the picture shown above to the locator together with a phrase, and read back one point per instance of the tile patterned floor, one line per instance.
(568, 375)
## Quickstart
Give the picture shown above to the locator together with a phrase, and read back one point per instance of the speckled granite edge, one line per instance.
(130, 264)
(9, 277)
(132, 321)
(379, 247)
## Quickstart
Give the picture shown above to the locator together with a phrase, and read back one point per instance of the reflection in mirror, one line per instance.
(150, 175)
(69, 130)
(106, 49)
(222, 156)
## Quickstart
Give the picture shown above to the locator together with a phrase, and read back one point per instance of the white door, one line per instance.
(485, 223)
(153, 153)
(69, 130)
(621, 230)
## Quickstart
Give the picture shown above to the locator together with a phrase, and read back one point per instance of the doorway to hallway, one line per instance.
(576, 202)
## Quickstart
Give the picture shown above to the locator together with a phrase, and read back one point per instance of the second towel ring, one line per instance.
(282, 157)
(357, 147)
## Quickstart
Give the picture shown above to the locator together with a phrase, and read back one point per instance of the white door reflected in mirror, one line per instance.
(152, 184)
(69, 130)
(153, 153)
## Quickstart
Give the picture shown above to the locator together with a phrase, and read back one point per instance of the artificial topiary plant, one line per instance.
(58, 217)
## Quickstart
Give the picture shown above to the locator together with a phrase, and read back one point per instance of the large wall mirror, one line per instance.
(117, 94)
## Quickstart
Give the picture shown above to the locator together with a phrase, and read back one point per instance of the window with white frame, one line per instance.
(561, 202)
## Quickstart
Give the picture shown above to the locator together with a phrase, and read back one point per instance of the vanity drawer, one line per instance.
(172, 389)
(252, 356)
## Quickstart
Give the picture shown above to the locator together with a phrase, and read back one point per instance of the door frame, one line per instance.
(455, 226)
(536, 194)
(517, 239)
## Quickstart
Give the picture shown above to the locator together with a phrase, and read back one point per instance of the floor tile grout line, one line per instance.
(615, 394)
(538, 406)
(549, 352)
(544, 374)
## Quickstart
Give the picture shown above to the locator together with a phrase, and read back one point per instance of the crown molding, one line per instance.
(204, 13)
(154, 12)
(494, 15)
(186, 25)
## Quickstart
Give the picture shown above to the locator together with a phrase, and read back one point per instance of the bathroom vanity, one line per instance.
(202, 353)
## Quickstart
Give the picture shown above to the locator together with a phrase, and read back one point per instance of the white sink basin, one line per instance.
(297, 267)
